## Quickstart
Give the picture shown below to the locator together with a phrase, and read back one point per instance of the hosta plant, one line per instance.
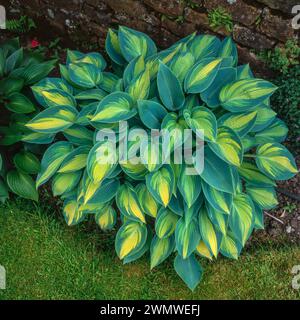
(163, 209)
(19, 69)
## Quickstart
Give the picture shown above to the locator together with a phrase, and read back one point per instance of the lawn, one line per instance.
(45, 259)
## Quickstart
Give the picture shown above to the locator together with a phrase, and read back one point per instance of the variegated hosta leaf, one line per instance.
(85, 75)
(259, 218)
(218, 173)
(211, 95)
(140, 86)
(203, 250)
(53, 120)
(241, 219)
(201, 118)
(228, 146)
(204, 46)
(274, 160)
(229, 49)
(136, 170)
(134, 43)
(169, 88)
(79, 135)
(101, 161)
(75, 160)
(134, 68)
(165, 56)
(65, 182)
(112, 47)
(252, 175)
(218, 218)
(136, 255)
(38, 138)
(264, 197)
(187, 237)
(230, 247)
(110, 83)
(189, 270)
(71, 213)
(151, 113)
(276, 132)
(115, 107)
(90, 208)
(50, 84)
(128, 203)
(91, 94)
(245, 95)
(100, 192)
(241, 123)
(165, 223)
(174, 126)
(200, 77)
(189, 186)
(146, 201)
(161, 249)
(57, 98)
(93, 58)
(106, 218)
(181, 63)
(265, 116)
(207, 231)
(52, 159)
(161, 184)
(244, 72)
(219, 200)
(130, 238)
(248, 142)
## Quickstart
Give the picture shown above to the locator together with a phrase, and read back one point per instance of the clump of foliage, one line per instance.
(22, 25)
(286, 100)
(282, 58)
(195, 84)
(19, 69)
(219, 18)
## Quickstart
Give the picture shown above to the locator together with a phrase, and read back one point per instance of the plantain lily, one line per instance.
(194, 85)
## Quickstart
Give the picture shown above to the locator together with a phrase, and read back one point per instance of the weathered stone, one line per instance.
(165, 38)
(251, 38)
(197, 18)
(178, 29)
(257, 66)
(240, 11)
(130, 7)
(98, 16)
(282, 5)
(276, 27)
(168, 7)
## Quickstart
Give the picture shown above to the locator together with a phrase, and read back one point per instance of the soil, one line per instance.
(281, 223)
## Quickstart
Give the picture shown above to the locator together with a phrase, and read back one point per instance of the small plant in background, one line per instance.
(282, 58)
(219, 18)
(53, 49)
(19, 69)
(286, 100)
(195, 84)
(22, 25)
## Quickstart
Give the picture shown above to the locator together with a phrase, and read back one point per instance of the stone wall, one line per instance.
(260, 24)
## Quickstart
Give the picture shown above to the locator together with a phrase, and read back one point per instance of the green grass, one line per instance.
(45, 259)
